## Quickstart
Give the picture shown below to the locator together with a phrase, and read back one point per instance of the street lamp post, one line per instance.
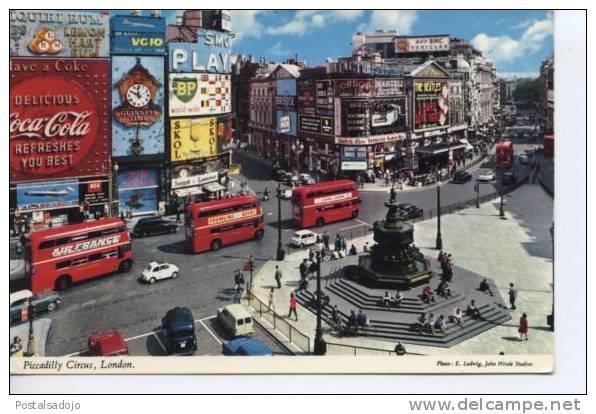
(320, 346)
(502, 208)
(112, 184)
(280, 251)
(439, 245)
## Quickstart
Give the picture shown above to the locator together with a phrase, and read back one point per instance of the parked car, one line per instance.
(305, 179)
(461, 177)
(107, 344)
(509, 178)
(236, 320)
(409, 211)
(246, 347)
(42, 302)
(286, 194)
(178, 330)
(487, 176)
(153, 225)
(159, 270)
(523, 159)
(279, 174)
(292, 179)
(303, 238)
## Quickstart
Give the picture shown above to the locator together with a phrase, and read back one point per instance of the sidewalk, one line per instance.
(41, 327)
(514, 250)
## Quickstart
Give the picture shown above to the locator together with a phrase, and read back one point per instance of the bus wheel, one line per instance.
(63, 282)
(320, 222)
(216, 245)
(125, 266)
(259, 234)
(354, 214)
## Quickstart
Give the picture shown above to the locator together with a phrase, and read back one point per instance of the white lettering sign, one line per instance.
(84, 246)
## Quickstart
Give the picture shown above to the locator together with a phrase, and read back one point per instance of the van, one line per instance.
(236, 320)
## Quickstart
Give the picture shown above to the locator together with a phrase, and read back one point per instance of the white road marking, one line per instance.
(73, 354)
(132, 338)
(206, 318)
(210, 332)
(362, 222)
(159, 342)
(350, 227)
(269, 214)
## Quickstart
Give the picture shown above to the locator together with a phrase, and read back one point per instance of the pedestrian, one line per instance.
(400, 349)
(326, 240)
(512, 296)
(366, 247)
(303, 268)
(270, 302)
(293, 305)
(337, 242)
(344, 247)
(178, 215)
(16, 347)
(278, 276)
(353, 251)
(523, 327)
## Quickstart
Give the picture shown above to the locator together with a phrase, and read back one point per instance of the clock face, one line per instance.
(138, 95)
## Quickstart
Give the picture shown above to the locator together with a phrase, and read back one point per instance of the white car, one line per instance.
(487, 176)
(286, 194)
(159, 270)
(306, 179)
(303, 238)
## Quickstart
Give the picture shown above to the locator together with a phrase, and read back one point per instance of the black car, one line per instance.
(178, 330)
(409, 211)
(509, 178)
(461, 177)
(279, 174)
(153, 225)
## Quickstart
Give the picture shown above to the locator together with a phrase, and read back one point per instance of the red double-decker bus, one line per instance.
(213, 224)
(58, 257)
(504, 151)
(321, 203)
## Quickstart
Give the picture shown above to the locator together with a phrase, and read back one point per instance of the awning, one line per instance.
(183, 192)
(469, 146)
(213, 187)
(432, 150)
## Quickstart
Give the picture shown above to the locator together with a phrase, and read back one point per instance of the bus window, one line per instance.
(63, 265)
(95, 257)
(47, 244)
(62, 241)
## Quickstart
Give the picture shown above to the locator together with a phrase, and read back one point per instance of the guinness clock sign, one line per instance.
(137, 90)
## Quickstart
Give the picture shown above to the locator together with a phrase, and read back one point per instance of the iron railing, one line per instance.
(278, 322)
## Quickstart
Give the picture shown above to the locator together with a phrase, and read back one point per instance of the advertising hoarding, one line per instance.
(430, 104)
(371, 140)
(422, 44)
(211, 53)
(354, 165)
(192, 94)
(286, 122)
(137, 191)
(193, 138)
(225, 132)
(138, 35)
(59, 34)
(315, 124)
(354, 88)
(324, 97)
(285, 87)
(373, 116)
(306, 97)
(137, 102)
(59, 122)
(352, 153)
(94, 191)
(388, 87)
(47, 195)
(188, 176)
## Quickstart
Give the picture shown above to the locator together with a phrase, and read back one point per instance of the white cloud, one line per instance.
(505, 48)
(278, 50)
(304, 21)
(400, 20)
(244, 23)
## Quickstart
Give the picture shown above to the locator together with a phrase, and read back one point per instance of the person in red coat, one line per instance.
(523, 327)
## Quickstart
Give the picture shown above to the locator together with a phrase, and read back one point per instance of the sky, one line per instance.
(516, 41)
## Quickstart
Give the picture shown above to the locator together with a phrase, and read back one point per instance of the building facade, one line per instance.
(547, 96)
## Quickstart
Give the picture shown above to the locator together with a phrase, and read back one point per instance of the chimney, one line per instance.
(155, 13)
(135, 12)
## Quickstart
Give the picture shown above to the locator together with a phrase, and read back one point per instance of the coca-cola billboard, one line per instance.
(59, 118)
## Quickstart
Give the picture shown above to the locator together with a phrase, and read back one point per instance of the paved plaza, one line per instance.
(516, 249)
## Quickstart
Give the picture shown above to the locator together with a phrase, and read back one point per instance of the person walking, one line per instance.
(293, 305)
(270, 302)
(512, 296)
(523, 327)
(278, 276)
(326, 240)
(178, 215)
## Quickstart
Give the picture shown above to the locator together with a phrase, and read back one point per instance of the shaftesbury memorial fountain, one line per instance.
(393, 261)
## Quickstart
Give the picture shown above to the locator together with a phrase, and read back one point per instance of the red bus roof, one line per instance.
(74, 228)
(222, 203)
(304, 189)
(504, 144)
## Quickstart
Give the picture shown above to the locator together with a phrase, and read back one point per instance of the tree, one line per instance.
(527, 91)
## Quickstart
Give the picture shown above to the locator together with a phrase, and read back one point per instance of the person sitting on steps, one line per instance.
(386, 300)
(427, 294)
(397, 299)
(485, 287)
(473, 311)
(443, 289)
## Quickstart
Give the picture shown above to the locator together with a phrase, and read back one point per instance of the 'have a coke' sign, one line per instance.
(58, 122)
